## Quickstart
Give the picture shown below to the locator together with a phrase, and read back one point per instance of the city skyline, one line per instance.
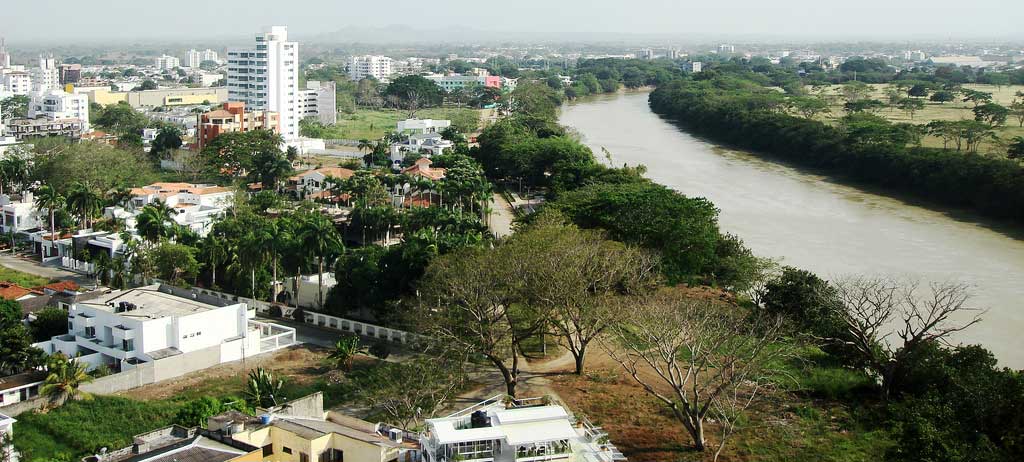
(528, 20)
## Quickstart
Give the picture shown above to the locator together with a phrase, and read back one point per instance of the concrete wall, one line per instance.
(20, 407)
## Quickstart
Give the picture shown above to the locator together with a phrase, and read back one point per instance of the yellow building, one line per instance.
(160, 97)
(179, 444)
(301, 431)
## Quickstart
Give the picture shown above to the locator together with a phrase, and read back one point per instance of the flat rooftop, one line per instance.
(150, 303)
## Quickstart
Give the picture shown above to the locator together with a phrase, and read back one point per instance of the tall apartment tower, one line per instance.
(5, 57)
(45, 76)
(266, 77)
(194, 58)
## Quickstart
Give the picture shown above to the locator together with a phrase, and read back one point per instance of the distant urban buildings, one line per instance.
(166, 62)
(15, 81)
(696, 66)
(646, 53)
(451, 82)
(378, 67)
(726, 49)
(673, 54)
(195, 58)
(70, 73)
(5, 57)
(266, 78)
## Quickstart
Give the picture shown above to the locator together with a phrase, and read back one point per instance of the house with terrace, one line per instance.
(502, 429)
(425, 144)
(195, 206)
(163, 331)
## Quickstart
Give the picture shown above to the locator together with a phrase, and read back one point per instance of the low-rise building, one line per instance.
(156, 98)
(22, 129)
(300, 431)
(426, 144)
(423, 169)
(233, 117)
(423, 125)
(510, 430)
(180, 444)
(452, 82)
(19, 387)
(172, 331)
(315, 181)
(196, 206)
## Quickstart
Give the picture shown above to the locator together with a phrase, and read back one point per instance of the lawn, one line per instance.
(374, 124)
(81, 428)
(20, 278)
(953, 110)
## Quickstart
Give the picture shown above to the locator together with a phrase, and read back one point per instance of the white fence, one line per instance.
(322, 320)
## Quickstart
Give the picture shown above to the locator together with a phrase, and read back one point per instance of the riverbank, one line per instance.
(813, 222)
(870, 149)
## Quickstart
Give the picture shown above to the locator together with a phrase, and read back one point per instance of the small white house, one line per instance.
(20, 215)
(315, 181)
(196, 206)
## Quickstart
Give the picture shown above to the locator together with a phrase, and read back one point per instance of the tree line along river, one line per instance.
(814, 223)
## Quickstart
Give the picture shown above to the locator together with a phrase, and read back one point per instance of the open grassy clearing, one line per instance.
(951, 111)
(374, 124)
(20, 278)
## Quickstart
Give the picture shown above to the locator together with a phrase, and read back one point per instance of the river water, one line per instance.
(810, 222)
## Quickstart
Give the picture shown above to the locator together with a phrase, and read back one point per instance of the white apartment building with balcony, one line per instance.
(56, 104)
(125, 329)
(15, 82)
(510, 430)
(46, 75)
(195, 57)
(266, 78)
(167, 62)
(378, 67)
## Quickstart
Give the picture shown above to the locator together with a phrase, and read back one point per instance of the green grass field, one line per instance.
(374, 124)
(953, 110)
(20, 278)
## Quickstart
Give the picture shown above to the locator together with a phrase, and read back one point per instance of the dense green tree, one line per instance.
(49, 322)
(167, 139)
(942, 96)
(991, 113)
(412, 92)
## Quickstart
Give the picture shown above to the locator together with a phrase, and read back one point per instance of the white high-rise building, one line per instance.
(208, 55)
(45, 76)
(378, 67)
(5, 57)
(266, 77)
(57, 104)
(194, 58)
(167, 62)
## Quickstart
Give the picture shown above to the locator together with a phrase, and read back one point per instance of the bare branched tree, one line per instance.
(697, 356)
(888, 321)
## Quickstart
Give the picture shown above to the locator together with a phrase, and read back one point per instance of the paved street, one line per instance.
(26, 265)
(501, 217)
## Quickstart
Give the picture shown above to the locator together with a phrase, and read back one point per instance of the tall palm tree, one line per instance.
(84, 202)
(152, 222)
(119, 196)
(215, 248)
(365, 145)
(50, 200)
(64, 378)
(320, 238)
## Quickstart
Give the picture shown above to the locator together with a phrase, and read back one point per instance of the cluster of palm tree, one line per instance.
(15, 173)
(247, 244)
(82, 202)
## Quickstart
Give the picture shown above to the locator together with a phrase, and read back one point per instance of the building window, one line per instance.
(303, 457)
(128, 344)
(287, 450)
(90, 332)
(268, 450)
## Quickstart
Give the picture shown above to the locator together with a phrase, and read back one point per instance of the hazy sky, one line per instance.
(141, 20)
